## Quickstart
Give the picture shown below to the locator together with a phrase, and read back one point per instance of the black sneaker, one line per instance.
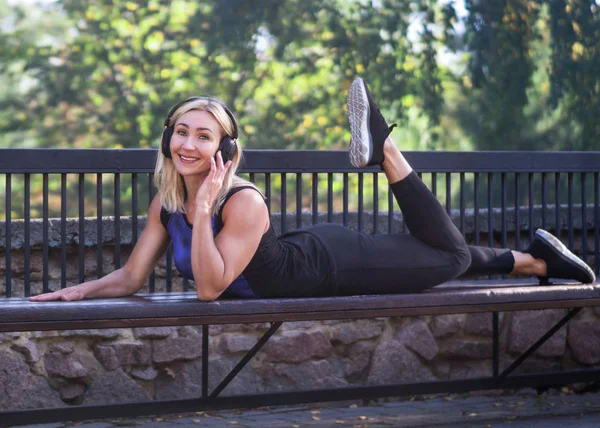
(367, 125)
(561, 262)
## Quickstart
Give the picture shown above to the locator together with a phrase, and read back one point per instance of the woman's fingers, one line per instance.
(66, 294)
(46, 297)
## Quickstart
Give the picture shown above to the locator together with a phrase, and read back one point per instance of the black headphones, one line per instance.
(227, 146)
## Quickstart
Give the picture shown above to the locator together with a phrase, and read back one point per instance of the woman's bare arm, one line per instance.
(131, 277)
(216, 262)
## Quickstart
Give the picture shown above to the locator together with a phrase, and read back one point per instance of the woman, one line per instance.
(223, 238)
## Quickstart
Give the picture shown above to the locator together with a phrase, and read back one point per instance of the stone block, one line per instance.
(416, 336)
(29, 350)
(237, 328)
(153, 332)
(107, 356)
(107, 333)
(20, 389)
(467, 348)
(232, 343)
(122, 354)
(61, 347)
(114, 387)
(357, 359)
(71, 391)
(350, 332)
(393, 363)
(469, 369)
(65, 365)
(481, 323)
(184, 379)
(146, 373)
(526, 327)
(313, 374)
(178, 348)
(447, 325)
(295, 347)
(584, 340)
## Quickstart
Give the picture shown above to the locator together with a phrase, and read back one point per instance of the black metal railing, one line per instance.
(64, 183)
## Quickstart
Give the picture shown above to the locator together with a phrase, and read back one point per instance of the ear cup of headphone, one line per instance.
(166, 141)
(227, 148)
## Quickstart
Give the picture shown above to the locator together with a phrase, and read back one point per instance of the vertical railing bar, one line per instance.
(503, 209)
(345, 200)
(570, 209)
(315, 197)
(63, 230)
(496, 343)
(99, 240)
(117, 220)
(517, 212)
(283, 202)
(557, 225)
(45, 253)
(544, 200)
(584, 226)
(81, 228)
(596, 224)
(462, 203)
(8, 234)
(298, 199)
(375, 202)
(476, 209)
(329, 197)
(169, 269)
(404, 228)
(205, 328)
(186, 284)
(531, 204)
(268, 190)
(152, 279)
(490, 213)
(252, 177)
(449, 193)
(360, 200)
(434, 183)
(27, 255)
(134, 209)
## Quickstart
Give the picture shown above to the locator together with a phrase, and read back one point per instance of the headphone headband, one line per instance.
(229, 113)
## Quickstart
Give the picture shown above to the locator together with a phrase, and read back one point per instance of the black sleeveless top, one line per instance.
(280, 267)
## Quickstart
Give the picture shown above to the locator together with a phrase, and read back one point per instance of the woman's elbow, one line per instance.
(208, 295)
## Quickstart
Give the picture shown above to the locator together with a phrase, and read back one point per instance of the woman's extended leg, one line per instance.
(433, 253)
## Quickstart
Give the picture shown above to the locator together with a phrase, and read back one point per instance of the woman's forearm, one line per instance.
(118, 283)
(208, 265)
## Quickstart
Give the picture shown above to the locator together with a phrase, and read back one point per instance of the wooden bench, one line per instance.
(173, 309)
(183, 308)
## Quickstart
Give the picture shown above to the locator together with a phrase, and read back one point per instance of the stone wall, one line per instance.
(50, 369)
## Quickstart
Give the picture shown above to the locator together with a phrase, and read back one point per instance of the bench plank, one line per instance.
(184, 308)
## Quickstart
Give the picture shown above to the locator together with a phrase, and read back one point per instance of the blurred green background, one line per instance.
(455, 75)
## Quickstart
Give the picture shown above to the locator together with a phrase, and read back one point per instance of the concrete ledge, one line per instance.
(108, 230)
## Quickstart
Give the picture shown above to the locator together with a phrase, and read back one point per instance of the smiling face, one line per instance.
(195, 141)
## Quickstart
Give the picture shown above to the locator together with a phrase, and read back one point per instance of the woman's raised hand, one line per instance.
(67, 294)
(210, 188)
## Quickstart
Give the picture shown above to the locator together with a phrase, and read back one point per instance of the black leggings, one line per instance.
(433, 253)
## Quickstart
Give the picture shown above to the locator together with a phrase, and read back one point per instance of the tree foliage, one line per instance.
(103, 73)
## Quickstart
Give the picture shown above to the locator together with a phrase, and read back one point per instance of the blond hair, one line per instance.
(170, 184)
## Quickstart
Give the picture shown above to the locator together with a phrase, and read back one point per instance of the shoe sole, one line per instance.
(564, 253)
(359, 113)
